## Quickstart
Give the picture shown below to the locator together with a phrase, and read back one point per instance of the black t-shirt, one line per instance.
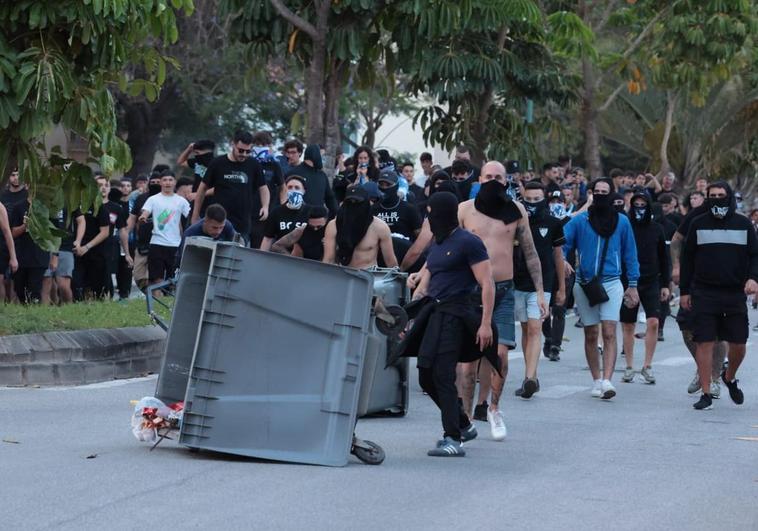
(144, 230)
(450, 264)
(547, 233)
(402, 218)
(27, 252)
(11, 199)
(236, 184)
(67, 243)
(116, 221)
(93, 222)
(274, 177)
(283, 220)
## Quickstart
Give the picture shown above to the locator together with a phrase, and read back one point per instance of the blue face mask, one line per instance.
(557, 210)
(294, 198)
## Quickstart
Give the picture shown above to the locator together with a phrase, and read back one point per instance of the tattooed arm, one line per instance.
(676, 251)
(532, 259)
(285, 244)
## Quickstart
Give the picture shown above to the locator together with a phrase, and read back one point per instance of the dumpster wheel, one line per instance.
(367, 451)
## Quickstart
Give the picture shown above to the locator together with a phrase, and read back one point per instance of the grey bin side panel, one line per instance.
(185, 321)
(278, 363)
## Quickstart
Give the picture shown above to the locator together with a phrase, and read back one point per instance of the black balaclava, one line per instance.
(641, 216)
(437, 176)
(603, 218)
(353, 220)
(723, 207)
(447, 186)
(312, 239)
(313, 153)
(617, 202)
(115, 195)
(493, 202)
(443, 215)
(153, 189)
(390, 199)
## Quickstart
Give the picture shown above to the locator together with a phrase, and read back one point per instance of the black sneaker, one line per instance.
(660, 335)
(529, 387)
(555, 354)
(735, 393)
(546, 349)
(705, 402)
(447, 448)
(480, 412)
(468, 434)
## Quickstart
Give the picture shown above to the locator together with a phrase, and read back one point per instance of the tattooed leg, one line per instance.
(498, 383)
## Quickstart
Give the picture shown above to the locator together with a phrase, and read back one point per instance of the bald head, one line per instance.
(492, 170)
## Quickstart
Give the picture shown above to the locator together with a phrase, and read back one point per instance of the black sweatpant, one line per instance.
(93, 270)
(555, 325)
(438, 382)
(27, 281)
(124, 278)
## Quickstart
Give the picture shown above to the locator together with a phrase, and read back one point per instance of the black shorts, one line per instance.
(719, 315)
(5, 259)
(650, 298)
(160, 262)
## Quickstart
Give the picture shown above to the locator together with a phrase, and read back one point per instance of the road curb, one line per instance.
(80, 356)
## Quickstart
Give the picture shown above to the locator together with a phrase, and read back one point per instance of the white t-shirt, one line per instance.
(167, 212)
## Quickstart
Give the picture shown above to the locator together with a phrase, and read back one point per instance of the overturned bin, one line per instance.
(267, 352)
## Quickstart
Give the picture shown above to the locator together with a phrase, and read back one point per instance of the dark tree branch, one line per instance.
(295, 20)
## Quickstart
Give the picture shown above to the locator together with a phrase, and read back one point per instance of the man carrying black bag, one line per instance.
(451, 324)
(604, 240)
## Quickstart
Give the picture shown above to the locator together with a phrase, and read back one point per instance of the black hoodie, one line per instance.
(719, 254)
(652, 252)
(318, 190)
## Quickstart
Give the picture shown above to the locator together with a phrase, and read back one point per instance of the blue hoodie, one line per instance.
(589, 246)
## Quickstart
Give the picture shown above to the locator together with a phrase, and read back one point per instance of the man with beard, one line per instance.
(448, 325)
(214, 225)
(603, 240)
(652, 285)
(547, 234)
(307, 241)
(716, 295)
(288, 216)
(355, 237)
(501, 223)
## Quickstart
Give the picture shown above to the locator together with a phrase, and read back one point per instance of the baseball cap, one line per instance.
(356, 192)
(512, 166)
(372, 190)
(389, 175)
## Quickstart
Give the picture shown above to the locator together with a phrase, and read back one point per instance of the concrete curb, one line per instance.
(80, 356)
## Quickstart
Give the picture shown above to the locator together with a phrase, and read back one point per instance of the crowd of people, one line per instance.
(484, 248)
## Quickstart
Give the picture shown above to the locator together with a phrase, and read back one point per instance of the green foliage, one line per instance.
(58, 62)
(35, 319)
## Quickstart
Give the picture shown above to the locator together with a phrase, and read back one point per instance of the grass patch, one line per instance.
(18, 319)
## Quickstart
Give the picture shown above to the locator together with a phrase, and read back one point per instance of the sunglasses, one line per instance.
(244, 151)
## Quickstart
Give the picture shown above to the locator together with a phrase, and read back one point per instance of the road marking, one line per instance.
(561, 391)
(751, 439)
(102, 385)
(676, 361)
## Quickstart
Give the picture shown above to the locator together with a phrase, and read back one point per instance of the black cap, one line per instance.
(297, 178)
(388, 175)
(512, 166)
(556, 194)
(372, 189)
(356, 192)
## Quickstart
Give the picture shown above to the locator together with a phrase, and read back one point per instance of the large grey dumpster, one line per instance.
(277, 364)
(388, 393)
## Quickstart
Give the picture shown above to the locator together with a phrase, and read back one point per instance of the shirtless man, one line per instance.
(355, 237)
(500, 223)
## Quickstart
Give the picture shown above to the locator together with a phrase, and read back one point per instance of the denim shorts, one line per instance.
(503, 313)
(65, 265)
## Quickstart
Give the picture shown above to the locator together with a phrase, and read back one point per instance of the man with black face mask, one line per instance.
(653, 257)
(401, 217)
(501, 223)
(307, 241)
(719, 267)
(355, 237)
(604, 241)
(450, 326)
(547, 234)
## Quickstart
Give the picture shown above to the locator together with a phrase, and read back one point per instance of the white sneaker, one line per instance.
(596, 391)
(607, 389)
(497, 424)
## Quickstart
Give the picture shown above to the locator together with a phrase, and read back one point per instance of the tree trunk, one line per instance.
(589, 123)
(668, 126)
(145, 123)
(332, 136)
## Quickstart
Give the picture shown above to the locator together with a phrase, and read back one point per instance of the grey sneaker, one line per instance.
(715, 389)
(469, 434)
(628, 375)
(647, 375)
(694, 386)
(447, 448)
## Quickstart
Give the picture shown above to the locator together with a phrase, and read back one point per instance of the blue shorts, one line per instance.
(503, 313)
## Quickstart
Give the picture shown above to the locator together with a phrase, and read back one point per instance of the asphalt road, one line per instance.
(645, 460)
